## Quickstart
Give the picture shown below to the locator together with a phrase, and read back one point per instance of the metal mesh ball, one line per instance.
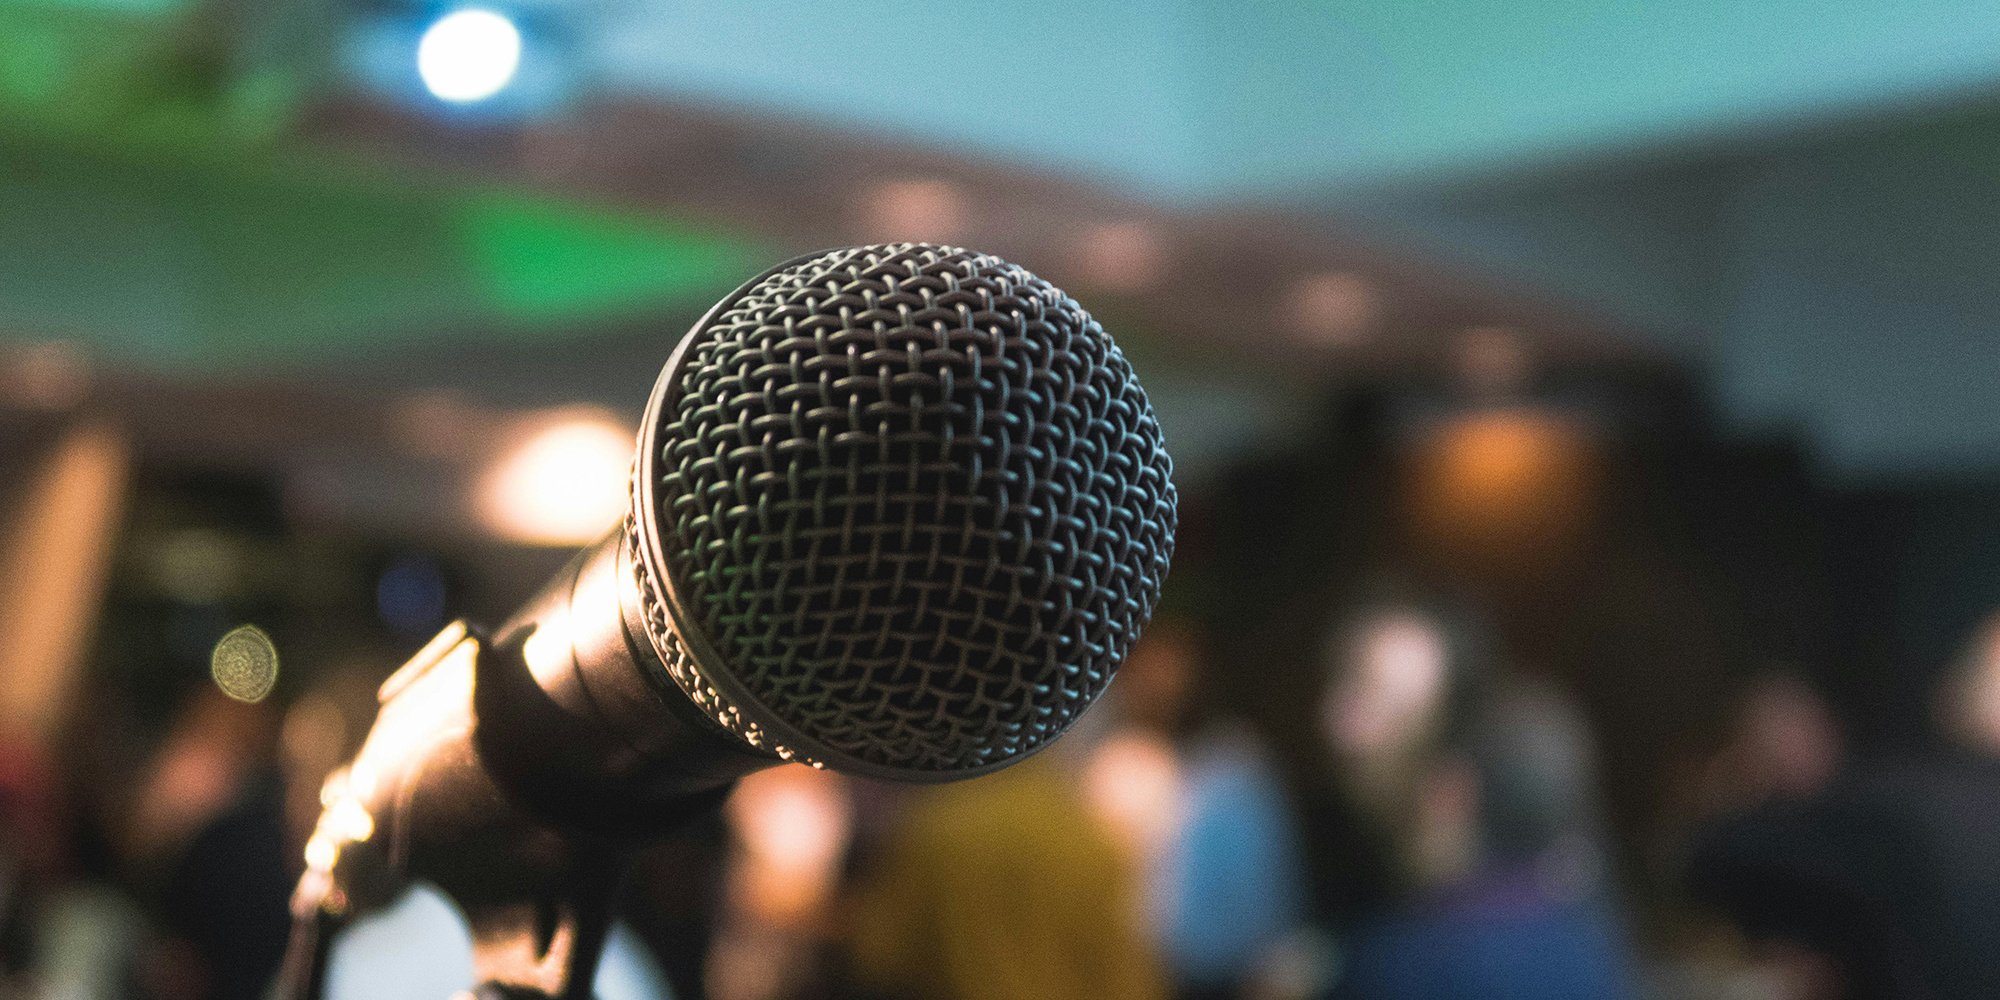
(915, 504)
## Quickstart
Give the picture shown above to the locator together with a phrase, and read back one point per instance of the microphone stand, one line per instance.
(422, 800)
(523, 949)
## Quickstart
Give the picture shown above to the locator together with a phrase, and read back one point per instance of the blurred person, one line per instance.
(1511, 901)
(1783, 744)
(87, 935)
(90, 929)
(1399, 675)
(1005, 888)
(71, 932)
(1780, 743)
(1232, 883)
(1193, 794)
(790, 830)
(1395, 675)
(207, 836)
(28, 859)
(1887, 880)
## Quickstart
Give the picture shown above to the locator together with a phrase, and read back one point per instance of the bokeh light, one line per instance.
(1394, 681)
(1132, 785)
(245, 664)
(1121, 256)
(565, 484)
(916, 209)
(469, 55)
(1337, 307)
(1514, 484)
(792, 826)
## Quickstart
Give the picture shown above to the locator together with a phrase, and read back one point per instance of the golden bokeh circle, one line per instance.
(244, 664)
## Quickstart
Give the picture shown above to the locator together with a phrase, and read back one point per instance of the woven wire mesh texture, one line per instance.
(914, 499)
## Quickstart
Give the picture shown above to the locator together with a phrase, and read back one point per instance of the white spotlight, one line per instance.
(562, 483)
(469, 55)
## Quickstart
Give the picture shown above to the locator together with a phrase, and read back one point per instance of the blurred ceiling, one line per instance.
(1790, 195)
(152, 206)
(1204, 101)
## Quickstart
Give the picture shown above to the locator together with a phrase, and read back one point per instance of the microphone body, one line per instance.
(896, 510)
(553, 721)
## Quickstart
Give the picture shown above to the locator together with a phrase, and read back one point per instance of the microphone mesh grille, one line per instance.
(915, 501)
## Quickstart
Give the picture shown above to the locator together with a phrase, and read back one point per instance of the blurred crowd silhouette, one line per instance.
(1368, 792)
(1336, 767)
(1426, 819)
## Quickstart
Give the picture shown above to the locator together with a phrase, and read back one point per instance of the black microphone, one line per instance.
(899, 511)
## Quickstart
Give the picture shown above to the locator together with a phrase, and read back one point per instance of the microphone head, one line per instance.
(899, 510)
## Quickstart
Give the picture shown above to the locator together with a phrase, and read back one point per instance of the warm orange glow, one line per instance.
(54, 563)
(1132, 785)
(564, 484)
(1504, 481)
(792, 826)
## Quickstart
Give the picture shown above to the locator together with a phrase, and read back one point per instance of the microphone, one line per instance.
(896, 510)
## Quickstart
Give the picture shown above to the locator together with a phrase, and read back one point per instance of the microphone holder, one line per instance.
(546, 948)
(538, 894)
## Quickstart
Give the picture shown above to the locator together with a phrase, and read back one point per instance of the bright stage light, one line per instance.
(469, 55)
(564, 483)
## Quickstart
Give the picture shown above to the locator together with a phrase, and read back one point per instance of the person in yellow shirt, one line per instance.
(1004, 888)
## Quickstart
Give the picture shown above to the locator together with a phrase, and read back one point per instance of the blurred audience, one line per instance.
(1510, 899)
(1431, 829)
(1194, 795)
(1472, 794)
(207, 836)
(1886, 879)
